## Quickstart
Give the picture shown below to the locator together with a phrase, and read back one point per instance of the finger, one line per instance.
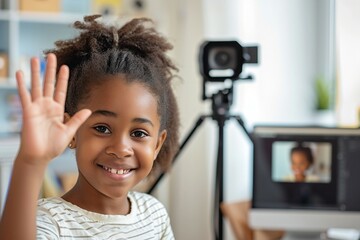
(50, 75)
(24, 94)
(75, 121)
(61, 85)
(35, 78)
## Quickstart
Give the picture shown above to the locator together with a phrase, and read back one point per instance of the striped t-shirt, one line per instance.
(59, 219)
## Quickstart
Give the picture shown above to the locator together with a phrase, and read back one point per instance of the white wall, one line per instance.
(348, 50)
(190, 182)
(186, 191)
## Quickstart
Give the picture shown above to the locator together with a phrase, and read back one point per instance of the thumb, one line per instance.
(75, 121)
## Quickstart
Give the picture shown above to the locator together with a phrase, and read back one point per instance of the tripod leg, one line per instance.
(219, 183)
(187, 138)
(241, 123)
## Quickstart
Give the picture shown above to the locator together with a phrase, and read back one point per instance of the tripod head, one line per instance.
(221, 102)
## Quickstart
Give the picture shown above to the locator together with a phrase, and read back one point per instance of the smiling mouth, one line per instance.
(116, 171)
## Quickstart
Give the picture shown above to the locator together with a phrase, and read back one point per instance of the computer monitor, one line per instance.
(312, 196)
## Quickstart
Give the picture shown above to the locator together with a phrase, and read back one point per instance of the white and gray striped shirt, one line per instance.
(59, 219)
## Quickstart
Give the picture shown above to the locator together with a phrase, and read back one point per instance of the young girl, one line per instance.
(121, 118)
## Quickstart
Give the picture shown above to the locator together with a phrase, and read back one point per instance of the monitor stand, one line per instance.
(291, 235)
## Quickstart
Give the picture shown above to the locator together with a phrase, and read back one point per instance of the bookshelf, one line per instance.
(27, 33)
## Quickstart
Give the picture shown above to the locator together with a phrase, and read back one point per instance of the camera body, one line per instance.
(220, 60)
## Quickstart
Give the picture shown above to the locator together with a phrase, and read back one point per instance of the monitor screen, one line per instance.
(305, 178)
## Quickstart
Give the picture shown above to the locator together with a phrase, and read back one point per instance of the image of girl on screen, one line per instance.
(301, 159)
(294, 161)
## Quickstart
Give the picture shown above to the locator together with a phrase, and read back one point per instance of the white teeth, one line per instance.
(116, 171)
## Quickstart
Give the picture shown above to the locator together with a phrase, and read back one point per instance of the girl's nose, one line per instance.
(120, 147)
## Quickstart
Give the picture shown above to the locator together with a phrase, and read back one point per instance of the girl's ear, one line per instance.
(72, 143)
(160, 142)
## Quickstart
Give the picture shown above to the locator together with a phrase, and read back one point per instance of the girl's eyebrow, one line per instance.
(142, 120)
(113, 114)
(104, 113)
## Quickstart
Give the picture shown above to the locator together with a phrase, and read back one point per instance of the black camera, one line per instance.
(220, 60)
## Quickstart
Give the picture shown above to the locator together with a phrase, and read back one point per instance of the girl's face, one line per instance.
(299, 163)
(117, 145)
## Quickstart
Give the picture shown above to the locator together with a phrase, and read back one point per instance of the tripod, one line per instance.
(221, 103)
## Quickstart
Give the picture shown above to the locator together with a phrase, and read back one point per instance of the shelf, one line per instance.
(24, 34)
(40, 17)
(4, 15)
(53, 17)
(6, 84)
(46, 18)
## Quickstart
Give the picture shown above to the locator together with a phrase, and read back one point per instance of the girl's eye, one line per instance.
(102, 129)
(139, 134)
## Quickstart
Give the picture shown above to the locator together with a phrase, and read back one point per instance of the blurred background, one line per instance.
(307, 74)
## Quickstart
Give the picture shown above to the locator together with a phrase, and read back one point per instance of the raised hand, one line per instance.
(44, 134)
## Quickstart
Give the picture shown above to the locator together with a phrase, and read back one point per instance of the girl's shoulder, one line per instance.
(141, 196)
(50, 203)
(54, 208)
(145, 202)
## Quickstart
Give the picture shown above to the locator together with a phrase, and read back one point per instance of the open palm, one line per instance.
(44, 134)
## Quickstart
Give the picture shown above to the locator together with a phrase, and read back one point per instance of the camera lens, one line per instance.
(222, 58)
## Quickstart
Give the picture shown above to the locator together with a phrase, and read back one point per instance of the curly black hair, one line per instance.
(135, 50)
